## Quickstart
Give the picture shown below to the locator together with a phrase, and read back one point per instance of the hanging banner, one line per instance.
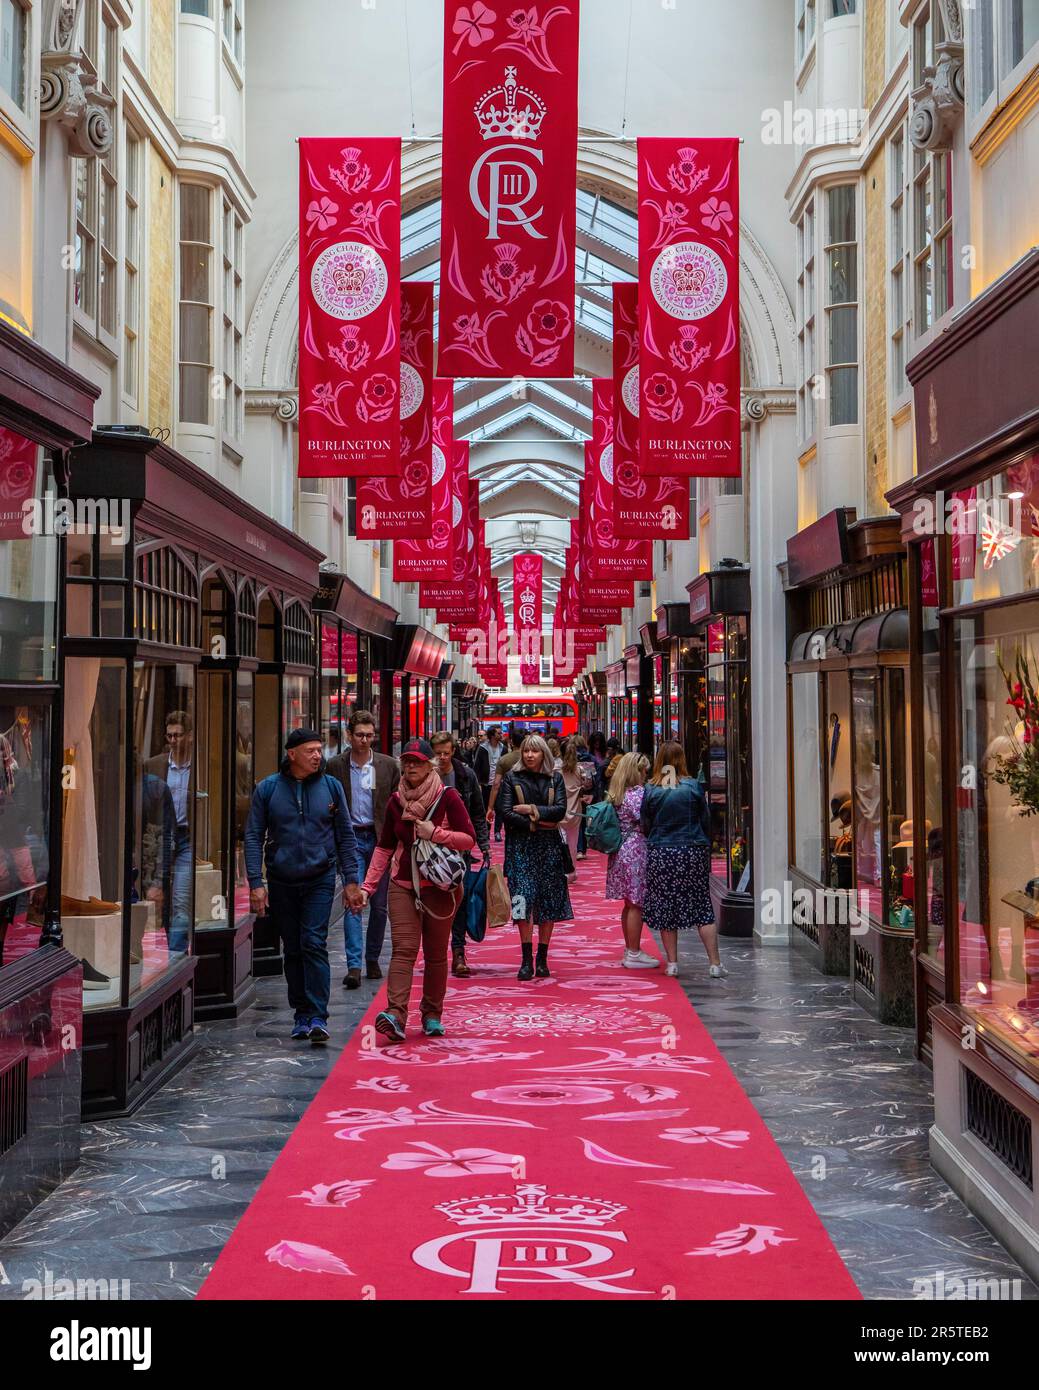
(643, 508)
(508, 219)
(688, 304)
(433, 558)
(18, 457)
(349, 308)
(603, 553)
(401, 507)
(526, 599)
(460, 591)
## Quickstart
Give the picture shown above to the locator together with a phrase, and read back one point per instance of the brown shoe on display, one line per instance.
(352, 979)
(459, 966)
(374, 970)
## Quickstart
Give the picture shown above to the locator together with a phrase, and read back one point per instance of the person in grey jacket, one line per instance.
(299, 825)
(676, 822)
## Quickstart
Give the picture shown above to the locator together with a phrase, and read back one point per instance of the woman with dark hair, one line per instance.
(532, 803)
(676, 823)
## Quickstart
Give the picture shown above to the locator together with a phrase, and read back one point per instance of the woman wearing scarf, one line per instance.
(423, 808)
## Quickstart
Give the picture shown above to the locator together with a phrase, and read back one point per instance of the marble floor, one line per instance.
(157, 1195)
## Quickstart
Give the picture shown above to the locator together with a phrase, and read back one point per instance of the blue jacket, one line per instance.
(307, 828)
(676, 816)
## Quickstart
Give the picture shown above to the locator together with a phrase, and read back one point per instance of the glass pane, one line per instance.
(899, 803)
(211, 829)
(837, 773)
(841, 208)
(717, 750)
(844, 395)
(199, 7)
(843, 278)
(844, 335)
(24, 841)
(112, 598)
(12, 50)
(93, 824)
(1023, 25)
(266, 741)
(243, 788)
(194, 395)
(806, 791)
(28, 563)
(869, 872)
(194, 273)
(998, 523)
(934, 944)
(997, 660)
(194, 212)
(164, 820)
(296, 713)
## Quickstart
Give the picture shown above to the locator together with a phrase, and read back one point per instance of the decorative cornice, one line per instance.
(939, 100)
(69, 94)
(760, 402)
(286, 406)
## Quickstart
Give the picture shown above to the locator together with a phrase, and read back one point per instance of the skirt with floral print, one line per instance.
(678, 888)
(537, 877)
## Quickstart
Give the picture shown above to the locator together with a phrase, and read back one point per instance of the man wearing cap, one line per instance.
(299, 824)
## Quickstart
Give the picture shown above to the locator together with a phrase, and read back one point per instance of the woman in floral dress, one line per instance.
(626, 869)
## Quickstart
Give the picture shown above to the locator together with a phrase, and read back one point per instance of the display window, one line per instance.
(397, 725)
(931, 943)
(25, 793)
(806, 743)
(296, 705)
(868, 836)
(244, 781)
(996, 653)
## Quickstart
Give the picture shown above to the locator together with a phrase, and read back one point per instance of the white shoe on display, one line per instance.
(671, 969)
(638, 960)
(717, 972)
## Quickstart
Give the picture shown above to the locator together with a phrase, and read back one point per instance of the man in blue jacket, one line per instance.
(302, 814)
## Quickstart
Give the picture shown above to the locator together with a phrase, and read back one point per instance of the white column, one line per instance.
(773, 518)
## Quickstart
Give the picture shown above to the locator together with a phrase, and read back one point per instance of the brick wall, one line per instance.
(874, 50)
(162, 38)
(875, 332)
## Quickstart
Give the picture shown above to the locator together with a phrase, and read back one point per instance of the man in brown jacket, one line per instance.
(369, 780)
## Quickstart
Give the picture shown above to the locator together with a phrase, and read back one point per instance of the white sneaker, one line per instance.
(671, 969)
(639, 960)
(717, 972)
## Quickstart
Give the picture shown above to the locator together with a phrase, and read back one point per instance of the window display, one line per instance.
(244, 783)
(932, 943)
(837, 776)
(24, 812)
(296, 710)
(806, 784)
(869, 850)
(211, 867)
(28, 565)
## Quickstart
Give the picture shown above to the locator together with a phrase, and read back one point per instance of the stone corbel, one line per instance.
(938, 101)
(68, 92)
(762, 401)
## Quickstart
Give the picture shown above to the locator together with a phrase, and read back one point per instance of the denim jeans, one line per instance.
(300, 911)
(183, 872)
(371, 943)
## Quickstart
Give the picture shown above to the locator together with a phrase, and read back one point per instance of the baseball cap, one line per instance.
(299, 736)
(418, 748)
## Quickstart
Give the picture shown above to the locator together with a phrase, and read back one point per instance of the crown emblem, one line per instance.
(531, 1206)
(689, 279)
(349, 277)
(510, 110)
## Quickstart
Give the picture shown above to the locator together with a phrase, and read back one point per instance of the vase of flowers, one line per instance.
(1019, 769)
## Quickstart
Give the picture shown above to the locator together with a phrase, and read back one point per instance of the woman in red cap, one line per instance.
(421, 911)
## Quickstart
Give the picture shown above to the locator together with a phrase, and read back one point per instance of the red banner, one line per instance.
(392, 507)
(432, 558)
(18, 457)
(349, 308)
(508, 220)
(689, 315)
(643, 508)
(603, 553)
(526, 612)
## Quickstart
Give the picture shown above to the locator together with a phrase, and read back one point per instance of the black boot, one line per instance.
(541, 970)
(526, 970)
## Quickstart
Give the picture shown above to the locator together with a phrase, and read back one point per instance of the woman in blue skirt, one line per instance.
(676, 823)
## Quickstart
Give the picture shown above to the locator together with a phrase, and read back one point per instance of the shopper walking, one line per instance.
(454, 773)
(532, 803)
(506, 763)
(626, 868)
(485, 764)
(369, 779)
(299, 827)
(421, 912)
(589, 770)
(578, 778)
(676, 823)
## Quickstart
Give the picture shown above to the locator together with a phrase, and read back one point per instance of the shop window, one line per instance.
(244, 782)
(166, 771)
(216, 608)
(842, 312)
(837, 776)
(97, 584)
(996, 549)
(296, 710)
(267, 746)
(93, 825)
(397, 728)
(715, 773)
(997, 800)
(901, 867)
(869, 847)
(196, 303)
(806, 782)
(13, 27)
(25, 734)
(28, 565)
(166, 602)
(932, 941)
(333, 716)
(246, 620)
(211, 793)
(298, 635)
(267, 632)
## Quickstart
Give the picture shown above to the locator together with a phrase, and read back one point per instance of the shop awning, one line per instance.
(417, 651)
(340, 596)
(40, 397)
(722, 591)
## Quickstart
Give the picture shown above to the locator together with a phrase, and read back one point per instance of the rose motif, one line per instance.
(441, 534)
(545, 1093)
(661, 390)
(379, 391)
(321, 214)
(18, 479)
(416, 474)
(549, 321)
(627, 474)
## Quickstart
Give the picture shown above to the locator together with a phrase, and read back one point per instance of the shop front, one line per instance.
(412, 691)
(851, 813)
(467, 707)
(617, 702)
(681, 683)
(975, 620)
(45, 411)
(654, 673)
(355, 636)
(189, 656)
(717, 696)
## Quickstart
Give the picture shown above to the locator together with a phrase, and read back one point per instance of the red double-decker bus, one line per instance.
(552, 714)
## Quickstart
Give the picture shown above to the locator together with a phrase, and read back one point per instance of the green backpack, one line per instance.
(602, 829)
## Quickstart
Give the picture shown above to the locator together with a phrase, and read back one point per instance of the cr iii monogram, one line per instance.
(504, 180)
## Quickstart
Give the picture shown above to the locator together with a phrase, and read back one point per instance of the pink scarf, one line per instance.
(418, 801)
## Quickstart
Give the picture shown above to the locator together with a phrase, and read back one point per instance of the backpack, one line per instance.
(602, 829)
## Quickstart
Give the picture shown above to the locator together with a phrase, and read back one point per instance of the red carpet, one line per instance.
(579, 1137)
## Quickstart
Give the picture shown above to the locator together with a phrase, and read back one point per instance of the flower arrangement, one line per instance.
(1019, 770)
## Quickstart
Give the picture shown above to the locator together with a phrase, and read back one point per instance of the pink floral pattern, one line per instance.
(321, 214)
(545, 1093)
(475, 26)
(457, 1163)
